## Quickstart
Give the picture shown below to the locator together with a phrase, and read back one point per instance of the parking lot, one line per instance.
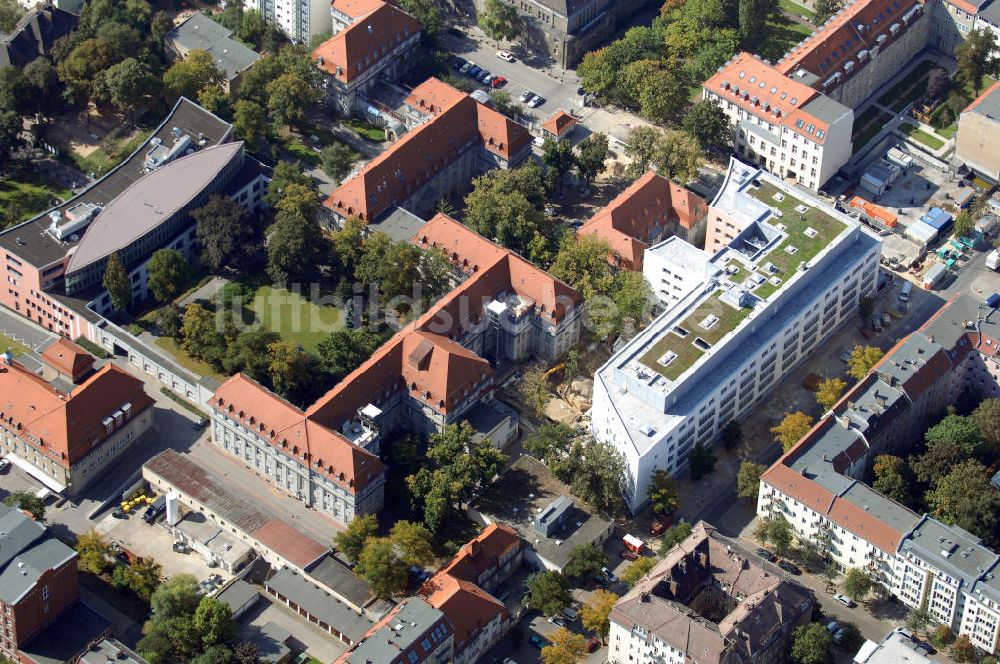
(920, 188)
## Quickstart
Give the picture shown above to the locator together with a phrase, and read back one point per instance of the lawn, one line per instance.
(781, 35)
(908, 89)
(15, 347)
(790, 7)
(22, 199)
(108, 155)
(296, 319)
(947, 132)
(182, 358)
(299, 149)
(365, 130)
(868, 125)
(921, 136)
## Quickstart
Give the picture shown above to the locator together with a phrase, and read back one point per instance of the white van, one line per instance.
(904, 292)
(570, 613)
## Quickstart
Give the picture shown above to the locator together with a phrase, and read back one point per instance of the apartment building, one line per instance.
(816, 486)
(455, 138)
(64, 435)
(790, 274)
(780, 122)
(412, 633)
(436, 371)
(55, 262)
(651, 209)
(38, 581)
(977, 143)
(198, 31)
(952, 21)
(299, 20)
(707, 601)
(376, 44)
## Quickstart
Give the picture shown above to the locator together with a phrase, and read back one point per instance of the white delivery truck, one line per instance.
(993, 260)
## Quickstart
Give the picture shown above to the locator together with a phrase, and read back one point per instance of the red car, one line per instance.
(498, 82)
(593, 643)
(628, 555)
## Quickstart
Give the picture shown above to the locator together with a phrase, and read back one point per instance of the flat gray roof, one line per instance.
(151, 201)
(24, 571)
(399, 224)
(950, 549)
(237, 594)
(319, 603)
(413, 619)
(947, 326)
(31, 240)
(68, 637)
(111, 650)
(272, 643)
(825, 108)
(199, 31)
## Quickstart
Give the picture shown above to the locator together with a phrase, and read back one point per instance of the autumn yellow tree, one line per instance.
(594, 614)
(862, 359)
(791, 429)
(567, 648)
(829, 392)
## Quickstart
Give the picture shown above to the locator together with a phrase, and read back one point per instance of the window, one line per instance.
(45, 593)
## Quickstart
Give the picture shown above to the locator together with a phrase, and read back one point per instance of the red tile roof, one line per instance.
(424, 151)
(651, 201)
(558, 122)
(286, 427)
(356, 8)
(68, 358)
(467, 606)
(434, 96)
(483, 553)
(70, 425)
(361, 45)
(978, 100)
(289, 543)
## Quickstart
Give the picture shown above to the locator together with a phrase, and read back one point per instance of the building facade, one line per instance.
(977, 143)
(412, 633)
(764, 305)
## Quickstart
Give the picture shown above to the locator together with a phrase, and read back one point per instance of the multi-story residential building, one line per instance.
(790, 274)
(433, 372)
(64, 435)
(299, 20)
(413, 632)
(55, 261)
(570, 28)
(952, 21)
(816, 485)
(456, 138)
(198, 31)
(977, 143)
(489, 558)
(707, 601)
(780, 122)
(38, 581)
(988, 18)
(651, 209)
(894, 648)
(371, 47)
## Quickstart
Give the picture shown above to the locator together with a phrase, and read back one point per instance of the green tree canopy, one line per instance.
(548, 592)
(709, 125)
(791, 429)
(351, 541)
(674, 535)
(585, 560)
(662, 491)
(28, 502)
(594, 615)
(593, 152)
(748, 479)
(295, 249)
(637, 569)
(862, 359)
(93, 551)
(957, 429)
(214, 622)
(811, 644)
(857, 583)
(891, 478)
(381, 566)
(829, 391)
(186, 77)
(500, 20)
(225, 233)
(169, 273)
(117, 283)
(250, 123)
(337, 160)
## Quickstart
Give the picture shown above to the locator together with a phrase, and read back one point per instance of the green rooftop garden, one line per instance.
(685, 348)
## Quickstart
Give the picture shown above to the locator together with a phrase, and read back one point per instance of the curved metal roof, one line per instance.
(149, 202)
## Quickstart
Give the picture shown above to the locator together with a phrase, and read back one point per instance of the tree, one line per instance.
(975, 59)
(662, 492)
(824, 9)
(296, 247)
(143, 577)
(413, 543)
(507, 207)
(246, 653)
(582, 262)
(176, 597)
(533, 388)
(662, 96)
(638, 569)
(942, 636)
(674, 535)
(964, 224)
(214, 622)
(748, 479)
(811, 644)
(965, 497)
(830, 574)
(956, 429)
(592, 153)
(288, 96)
(918, 619)
(337, 160)
(250, 123)
(791, 429)
(186, 77)
(829, 392)
(865, 307)
(777, 531)
(10, 13)
(10, 139)
(857, 583)
(936, 462)
(548, 592)
(731, 435)
(594, 615)
(709, 125)
(342, 351)
(753, 15)
(891, 478)
(585, 560)
(28, 502)
(677, 156)
(381, 566)
(503, 102)
(224, 232)
(962, 651)
(557, 155)
(566, 648)
(82, 70)
(298, 200)
(572, 364)
(499, 21)
(128, 84)
(214, 655)
(93, 552)
(168, 320)
(640, 148)
(938, 83)
(702, 460)
(201, 338)
(351, 541)
(169, 273)
(426, 12)
(600, 475)
(987, 419)
(632, 297)
(552, 443)
(117, 283)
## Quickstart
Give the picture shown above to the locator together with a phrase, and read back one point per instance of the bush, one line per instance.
(92, 348)
(942, 636)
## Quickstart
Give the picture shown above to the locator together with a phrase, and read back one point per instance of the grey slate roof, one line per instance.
(319, 603)
(401, 633)
(17, 532)
(111, 650)
(68, 637)
(23, 572)
(199, 31)
(31, 240)
(237, 594)
(272, 643)
(34, 35)
(335, 575)
(950, 549)
(990, 104)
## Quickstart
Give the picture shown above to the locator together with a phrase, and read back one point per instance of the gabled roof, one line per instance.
(356, 8)
(651, 202)
(363, 44)
(483, 552)
(67, 426)
(286, 427)
(468, 607)
(558, 122)
(68, 358)
(433, 96)
(987, 104)
(440, 371)
(34, 35)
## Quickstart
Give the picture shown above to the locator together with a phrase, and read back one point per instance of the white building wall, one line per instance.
(628, 645)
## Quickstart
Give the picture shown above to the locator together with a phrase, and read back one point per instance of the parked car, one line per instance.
(839, 636)
(4, 464)
(538, 641)
(905, 632)
(625, 554)
(526, 95)
(845, 356)
(791, 568)
(483, 75)
(474, 71)
(570, 613)
(593, 643)
(487, 80)
(832, 626)
(557, 621)
(464, 69)
(506, 56)
(536, 101)
(156, 510)
(609, 575)
(767, 555)
(538, 141)
(498, 82)
(924, 648)
(459, 62)
(844, 599)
